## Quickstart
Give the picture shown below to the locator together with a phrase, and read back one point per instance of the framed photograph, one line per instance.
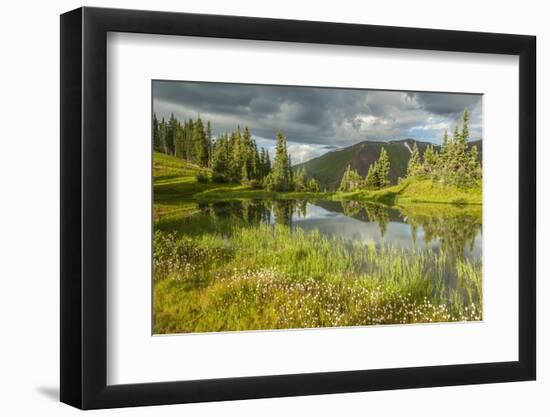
(257, 208)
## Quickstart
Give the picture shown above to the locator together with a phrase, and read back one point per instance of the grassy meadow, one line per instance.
(219, 271)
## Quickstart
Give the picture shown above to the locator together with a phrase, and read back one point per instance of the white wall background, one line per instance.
(29, 212)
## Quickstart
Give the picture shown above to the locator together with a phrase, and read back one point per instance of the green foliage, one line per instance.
(200, 142)
(313, 185)
(280, 178)
(454, 165)
(218, 273)
(414, 166)
(378, 174)
(431, 161)
(421, 190)
(371, 181)
(202, 177)
(233, 158)
(351, 181)
(383, 167)
(258, 276)
(300, 180)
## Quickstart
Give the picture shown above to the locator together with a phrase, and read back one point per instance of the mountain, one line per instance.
(328, 169)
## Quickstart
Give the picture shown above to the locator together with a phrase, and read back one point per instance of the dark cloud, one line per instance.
(322, 117)
(445, 104)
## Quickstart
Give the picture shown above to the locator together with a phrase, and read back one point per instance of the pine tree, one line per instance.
(188, 141)
(444, 147)
(465, 136)
(372, 182)
(430, 161)
(247, 155)
(345, 180)
(474, 166)
(255, 158)
(262, 164)
(300, 180)
(267, 166)
(235, 164)
(383, 168)
(351, 181)
(209, 144)
(414, 166)
(312, 185)
(179, 141)
(170, 134)
(201, 146)
(156, 134)
(280, 177)
(162, 136)
(220, 162)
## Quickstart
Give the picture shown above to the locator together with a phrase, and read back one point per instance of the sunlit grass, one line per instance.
(418, 190)
(269, 277)
(218, 273)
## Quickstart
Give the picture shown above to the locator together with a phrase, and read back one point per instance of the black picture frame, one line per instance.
(84, 207)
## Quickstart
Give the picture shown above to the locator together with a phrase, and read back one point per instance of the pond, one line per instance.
(281, 264)
(455, 229)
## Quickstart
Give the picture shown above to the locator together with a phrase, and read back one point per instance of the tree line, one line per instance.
(454, 164)
(191, 140)
(378, 176)
(232, 157)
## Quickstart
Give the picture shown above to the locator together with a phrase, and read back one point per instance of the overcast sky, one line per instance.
(316, 120)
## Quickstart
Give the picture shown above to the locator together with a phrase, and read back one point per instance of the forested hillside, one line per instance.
(329, 168)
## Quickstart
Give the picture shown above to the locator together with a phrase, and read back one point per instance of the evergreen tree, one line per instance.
(256, 174)
(351, 181)
(201, 145)
(454, 164)
(474, 166)
(179, 141)
(156, 134)
(220, 160)
(209, 142)
(170, 134)
(430, 161)
(163, 136)
(414, 167)
(247, 155)
(280, 177)
(189, 143)
(267, 166)
(300, 180)
(465, 136)
(313, 185)
(372, 181)
(235, 162)
(383, 168)
(262, 164)
(444, 147)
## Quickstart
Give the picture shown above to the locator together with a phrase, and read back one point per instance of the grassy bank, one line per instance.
(213, 273)
(265, 277)
(175, 179)
(418, 190)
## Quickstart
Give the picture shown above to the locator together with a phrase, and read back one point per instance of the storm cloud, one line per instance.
(316, 120)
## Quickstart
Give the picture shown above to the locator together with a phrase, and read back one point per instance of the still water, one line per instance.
(455, 229)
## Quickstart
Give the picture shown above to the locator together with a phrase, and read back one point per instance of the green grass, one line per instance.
(245, 193)
(417, 190)
(222, 274)
(266, 277)
(175, 179)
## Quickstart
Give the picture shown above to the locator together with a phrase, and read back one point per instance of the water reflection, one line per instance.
(456, 230)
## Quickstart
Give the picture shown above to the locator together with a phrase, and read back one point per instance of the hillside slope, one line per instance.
(329, 168)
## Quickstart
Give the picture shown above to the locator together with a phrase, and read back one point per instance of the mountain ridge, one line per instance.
(328, 168)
